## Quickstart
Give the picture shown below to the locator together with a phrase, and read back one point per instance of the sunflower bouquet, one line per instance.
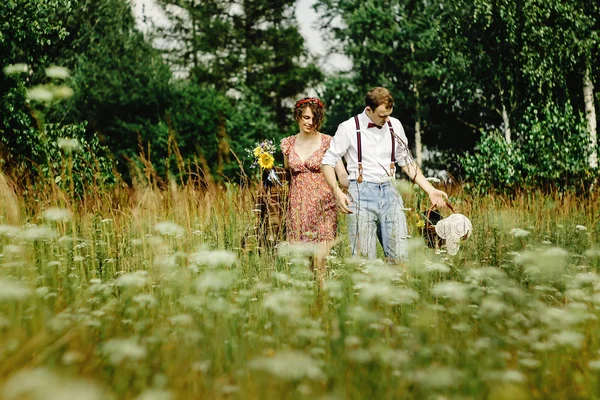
(262, 155)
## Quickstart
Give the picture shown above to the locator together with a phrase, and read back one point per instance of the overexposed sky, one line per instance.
(307, 19)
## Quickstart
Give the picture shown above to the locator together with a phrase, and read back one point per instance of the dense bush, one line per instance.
(550, 151)
(75, 161)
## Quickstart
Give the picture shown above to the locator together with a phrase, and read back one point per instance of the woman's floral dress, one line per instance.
(312, 210)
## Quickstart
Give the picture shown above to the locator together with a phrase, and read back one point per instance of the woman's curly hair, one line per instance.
(317, 108)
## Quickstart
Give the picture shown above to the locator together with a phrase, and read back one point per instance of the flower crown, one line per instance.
(310, 100)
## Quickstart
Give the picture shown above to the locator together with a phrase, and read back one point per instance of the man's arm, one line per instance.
(437, 197)
(342, 200)
(342, 174)
(337, 148)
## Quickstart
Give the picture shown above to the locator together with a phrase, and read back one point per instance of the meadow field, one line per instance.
(141, 293)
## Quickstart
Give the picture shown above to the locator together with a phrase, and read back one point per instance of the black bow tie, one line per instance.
(372, 125)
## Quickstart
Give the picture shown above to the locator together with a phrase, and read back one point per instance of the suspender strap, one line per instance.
(393, 142)
(393, 160)
(359, 149)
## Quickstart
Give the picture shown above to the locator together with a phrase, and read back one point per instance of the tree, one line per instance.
(229, 45)
(121, 83)
(394, 44)
(27, 33)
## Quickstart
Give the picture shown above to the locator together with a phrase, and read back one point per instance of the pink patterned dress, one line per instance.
(312, 210)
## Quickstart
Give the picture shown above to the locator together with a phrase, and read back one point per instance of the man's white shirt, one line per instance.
(376, 149)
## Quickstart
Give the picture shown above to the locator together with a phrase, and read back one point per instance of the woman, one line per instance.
(312, 212)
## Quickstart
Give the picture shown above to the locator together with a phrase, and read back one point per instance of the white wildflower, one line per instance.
(201, 366)
(155, 394)
(289, 365)
(9, 231)
(19, 68)
(33, 233)
(214, 281)
(165, 262)
(281, 277)
(40, 383)
(519, 233)
(13, 291)
(433, 179)
(391, 357)
(72, 357)
(68, 145)
(580, 228)
(4, 322)
(438, 377)
(284, 303)
(437, 267)
(361, 356)
(134, 279)
(213, 258)
(57, 72)
(544, 263)
(380, 270)
(387, 293)
(335, 289)
(592, 252)
(182, 320)
(296, 249)
(492, 308)
(118, 350)
(568, 339)
(62, 92)
(594, 365)
(169, 229)
(39, 93)
(57, 214)
(451, 290)
(509, 376)
(559, 317)
(530, 363)
(144, 300)
(352, 341)
(12, 249)
(229, 389)
(362, 315)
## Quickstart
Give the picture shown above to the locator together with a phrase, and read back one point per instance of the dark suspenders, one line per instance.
(359, 149)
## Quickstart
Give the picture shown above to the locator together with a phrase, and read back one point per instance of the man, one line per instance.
(372, 143)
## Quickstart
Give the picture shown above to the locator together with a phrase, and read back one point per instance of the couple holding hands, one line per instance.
(372, 144)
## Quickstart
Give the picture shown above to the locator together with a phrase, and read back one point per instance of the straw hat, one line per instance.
(452, 230)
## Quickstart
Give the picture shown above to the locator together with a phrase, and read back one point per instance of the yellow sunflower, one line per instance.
(257, 151)
(266, 161)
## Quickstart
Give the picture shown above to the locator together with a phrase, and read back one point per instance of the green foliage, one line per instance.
(249, 123)
(80, 163)
(28, 31)
(550, 151)
(228, 45)
(121, 84)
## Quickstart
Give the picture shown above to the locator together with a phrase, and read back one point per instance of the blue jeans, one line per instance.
(377, 213)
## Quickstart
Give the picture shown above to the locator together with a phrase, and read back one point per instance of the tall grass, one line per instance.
(156, 294)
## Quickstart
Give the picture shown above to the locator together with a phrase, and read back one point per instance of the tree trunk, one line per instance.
(590, 115)
(418, 144)
(506, 124)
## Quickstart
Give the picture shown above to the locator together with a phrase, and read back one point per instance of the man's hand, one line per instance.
(438, 198)
(343, 201)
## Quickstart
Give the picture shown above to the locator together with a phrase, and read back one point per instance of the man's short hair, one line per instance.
(378, 96)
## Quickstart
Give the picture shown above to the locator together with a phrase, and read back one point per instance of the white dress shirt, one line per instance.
(376, 149)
